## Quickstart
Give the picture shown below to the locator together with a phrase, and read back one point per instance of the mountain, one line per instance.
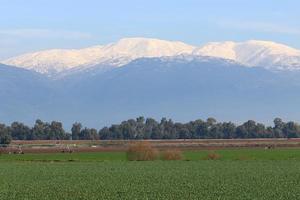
(61, 62)
(269, 55)
(182, 87)
(106, 84)
(116, 54)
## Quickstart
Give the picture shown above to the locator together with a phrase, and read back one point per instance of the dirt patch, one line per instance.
(66, 146)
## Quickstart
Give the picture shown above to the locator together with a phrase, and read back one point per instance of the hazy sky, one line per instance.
(31, 25)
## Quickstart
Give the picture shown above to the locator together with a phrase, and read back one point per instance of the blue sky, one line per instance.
(31, 25)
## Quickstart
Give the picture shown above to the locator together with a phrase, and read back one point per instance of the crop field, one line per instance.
(234, 174)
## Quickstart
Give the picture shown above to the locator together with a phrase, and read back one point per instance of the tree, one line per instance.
(88, 134)
(241, 132)
(278, 128)
(211, 121)
(94, 134)
(201, 129)
(139, 128)
(151, 129)
(215, 131)
(56, 131)
(129, 129)
(260, 131)
(76, 129)
(184, 133)
(278, 123)
(104, 134)
(19, 131)
(38, 131)
(116, 132)
(250, 126)
(229, 130)
(5, 137)
(247, 130)
(291, 130)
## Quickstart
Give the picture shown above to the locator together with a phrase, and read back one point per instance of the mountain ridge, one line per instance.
(267, 54)
(125, 50)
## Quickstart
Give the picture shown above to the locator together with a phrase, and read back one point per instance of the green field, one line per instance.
(230, 155)
(237, 174)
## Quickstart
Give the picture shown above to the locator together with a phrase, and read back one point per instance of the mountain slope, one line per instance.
(180, 87)
(269, 55)
(22, 94)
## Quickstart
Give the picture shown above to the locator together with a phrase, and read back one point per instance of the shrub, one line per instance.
(174, 154)
(212, 156)
(141, 151)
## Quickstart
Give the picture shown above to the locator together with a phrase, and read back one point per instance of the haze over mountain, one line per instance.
(155, 78)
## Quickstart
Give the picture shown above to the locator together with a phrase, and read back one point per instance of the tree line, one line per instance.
(141, 128)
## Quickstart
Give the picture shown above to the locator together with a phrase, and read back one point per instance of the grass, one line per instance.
(233, 154)
(63, 157)
(247, 154)
(237, 174)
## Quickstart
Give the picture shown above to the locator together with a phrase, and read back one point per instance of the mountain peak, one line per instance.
(266, 54)
(273, 47)
(146, 47)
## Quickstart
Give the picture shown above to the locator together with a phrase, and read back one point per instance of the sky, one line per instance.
(34, 25)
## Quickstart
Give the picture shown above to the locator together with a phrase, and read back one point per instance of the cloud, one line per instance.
(44, 34)
(259, 27)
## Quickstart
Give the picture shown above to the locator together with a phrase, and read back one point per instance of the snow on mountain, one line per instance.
(142, 47)
(269, 55)
(115, 54)
(55, 60)
(217, 49)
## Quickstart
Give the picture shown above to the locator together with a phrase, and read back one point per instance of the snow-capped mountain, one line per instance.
(62, 62)
(269, 55)
(115, 54)
(150, 77)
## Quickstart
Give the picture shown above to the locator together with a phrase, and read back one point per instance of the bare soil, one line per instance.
(55, 146)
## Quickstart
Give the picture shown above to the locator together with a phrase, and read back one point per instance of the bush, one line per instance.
(212, 156)
(141, 151)
(174, 154)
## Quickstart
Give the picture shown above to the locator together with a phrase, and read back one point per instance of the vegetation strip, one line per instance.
(150, 129)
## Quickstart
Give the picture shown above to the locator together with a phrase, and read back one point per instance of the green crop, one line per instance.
(204, 179)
